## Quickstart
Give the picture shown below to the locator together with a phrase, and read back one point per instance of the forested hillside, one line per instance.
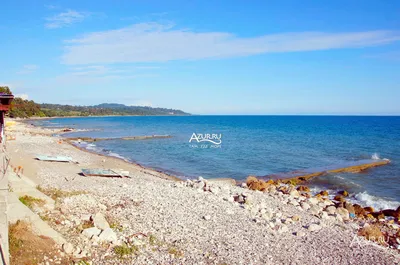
(21, 108)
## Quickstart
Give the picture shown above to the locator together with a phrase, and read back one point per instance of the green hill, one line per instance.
(21, 108)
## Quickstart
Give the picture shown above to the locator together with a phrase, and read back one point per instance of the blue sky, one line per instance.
(219, 57)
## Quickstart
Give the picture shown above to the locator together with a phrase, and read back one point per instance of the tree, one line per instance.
(5, 90)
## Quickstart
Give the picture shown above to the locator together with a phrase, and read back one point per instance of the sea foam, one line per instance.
(378, 203)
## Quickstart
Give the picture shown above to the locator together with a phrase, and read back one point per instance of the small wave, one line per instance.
(116, 155)
(375, 156)
(378, 203)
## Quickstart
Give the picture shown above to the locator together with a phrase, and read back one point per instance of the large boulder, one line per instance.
(359, 211)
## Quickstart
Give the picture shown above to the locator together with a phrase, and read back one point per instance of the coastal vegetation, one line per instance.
(23, 108)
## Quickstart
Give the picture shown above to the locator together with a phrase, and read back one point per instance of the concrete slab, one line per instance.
(18, 211)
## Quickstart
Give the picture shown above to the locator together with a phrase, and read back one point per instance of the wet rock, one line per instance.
(339, 198)
(90, 232)
(369, 209)
(319, 197)
(303, 189)
(257, 184)
(324, 193)
(393, 213)
(100, 221)
(378, 215)
(344, 193)
(108, 235)
(359, 211)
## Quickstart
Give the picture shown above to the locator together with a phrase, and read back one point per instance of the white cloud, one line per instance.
(23, 96)
(98, 74)
(65, 19)
(28, 69)
(155, 42)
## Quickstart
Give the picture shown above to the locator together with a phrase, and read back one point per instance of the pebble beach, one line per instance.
(153, 218)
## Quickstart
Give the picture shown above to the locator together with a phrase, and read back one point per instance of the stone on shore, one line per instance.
(90, 232)
(68, 248)
(314, 227)
(343, 212)
(100, 221)
(331, 210)
(108, 235)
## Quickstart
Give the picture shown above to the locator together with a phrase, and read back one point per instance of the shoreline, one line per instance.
(164, 173)
(154, 172)
(149, 170)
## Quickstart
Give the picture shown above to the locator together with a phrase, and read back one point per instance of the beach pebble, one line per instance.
(314, 210)
(206, 217)
(296, 218)
(283, 229)
(68, 248)
(300, 233)
(305, 206)
(324, 215)
(314, 227)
